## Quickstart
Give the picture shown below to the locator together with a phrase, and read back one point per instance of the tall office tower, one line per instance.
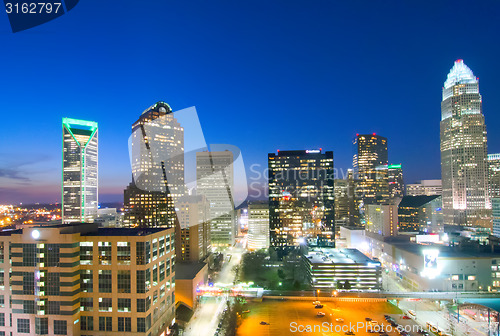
(79, 175)
(464, 166)
(395, 179)
(258, 225)
(494, 175)
(157, 146)
(354, 199)
(215, 181)
(370, 168)
(193, 240)
(341, 190)
(495, 206)
(77, 279)
(425, 187)
(301, 198)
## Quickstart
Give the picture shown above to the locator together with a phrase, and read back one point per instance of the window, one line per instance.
(105, 304)
(104, 253)
(28, 306)
(123, 253)
(87, 323)
(41, 326)
(124, 324)
(28, 283)
(141, 305)
(86, 253)
(143, 281)
(53, 256)
(155, 297)
(53, 284)
(2, 319)
(162, 270)
(105, 323)
(60, 327)
(155, 275)
(2, 277)
(123, 281)
(2, 252)
(86, 304)
(105, 281)
(162, 291)
(124, 305)
(29, 255)
(155, 249)
(2, 301)
(86, 281)
(23, 326)
(161, 243)
(54, 307)
(141, 324)
(471, 277)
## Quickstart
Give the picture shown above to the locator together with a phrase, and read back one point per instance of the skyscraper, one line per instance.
(214, 179)
(370, 168)
(494, 175)
(258, 225)
(301, 198)
(464, 166)
(395, 180)
(79, 175)
(157, 145)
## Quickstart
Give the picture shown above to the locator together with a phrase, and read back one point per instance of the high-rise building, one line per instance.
(464, 166)
(258, 225)
(370, 168)
(396, 182)
(420, 214)
(424, 187)
(301, 198)
(79, 279)
(193, 240)
(494, 175)
(382, 219)
(495, 205)
(157, 147)
(79, 175)
(215, 181)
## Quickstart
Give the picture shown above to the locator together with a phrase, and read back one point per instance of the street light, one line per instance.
(317, 294)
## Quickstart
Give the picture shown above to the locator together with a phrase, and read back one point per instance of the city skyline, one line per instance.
(334, 112)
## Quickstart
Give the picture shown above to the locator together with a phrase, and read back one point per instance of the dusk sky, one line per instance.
(263, 75)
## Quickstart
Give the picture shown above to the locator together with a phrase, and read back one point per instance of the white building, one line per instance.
(424, 188)
(464, 165)
(258, 225)
(382, 219)
(214, 179)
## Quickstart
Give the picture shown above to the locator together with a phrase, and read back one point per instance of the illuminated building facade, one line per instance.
(494, 175)
(157, 145)
(215, 181)
(382, 219)
(495, 206)
(370, 168)
(395, 180)
(79, 170)
(425, 187)
(193, 240)
(258, 225)
(421, 214)
(464, 166)
(301, 198)
(79, 279)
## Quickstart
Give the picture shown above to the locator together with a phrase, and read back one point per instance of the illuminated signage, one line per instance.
(431, 267)
(313, 151)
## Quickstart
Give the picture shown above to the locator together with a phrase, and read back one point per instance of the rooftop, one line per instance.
(337, 256)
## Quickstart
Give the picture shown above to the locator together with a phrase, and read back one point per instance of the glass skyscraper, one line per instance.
(157, 159)
(370, 168)
(301, 198)
(464, 166)
(79, 175)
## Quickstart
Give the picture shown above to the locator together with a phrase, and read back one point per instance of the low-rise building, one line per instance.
(346, 268)
(420, 214)
(80, 280)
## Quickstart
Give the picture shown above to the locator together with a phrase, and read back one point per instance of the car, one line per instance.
(264, 323)
(368, 319)
(320, 314)
(394, 324)
(387, 316)
(406, 317)
(318, 306)
(340, 320)
(316, 303)
(246, 311)
(349, 333)
(372, 322)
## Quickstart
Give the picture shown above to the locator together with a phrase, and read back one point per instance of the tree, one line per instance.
(347, 285)
(339, 285)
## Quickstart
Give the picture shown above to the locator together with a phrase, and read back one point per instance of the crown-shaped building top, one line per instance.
(460, 74)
